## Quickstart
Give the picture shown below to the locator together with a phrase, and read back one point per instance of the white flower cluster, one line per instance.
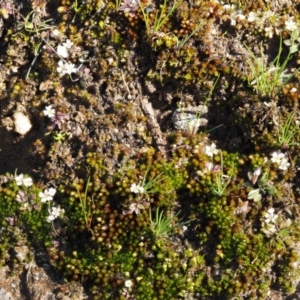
(268, 20)
(269, 216)
(234, 13)
(47, 195)
(290, 24)
(66, 68)
(54, 212)
(21, 180)
(280, 159)
(64, 51)
(270, 221)
(137, 189)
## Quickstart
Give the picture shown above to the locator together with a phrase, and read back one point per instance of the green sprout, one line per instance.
(59, 136)
(220, 185)
(32, 23)
(144, 188)
(285, 135)
(152, 185)
(268, 80)
(86, 206)
(161, 226)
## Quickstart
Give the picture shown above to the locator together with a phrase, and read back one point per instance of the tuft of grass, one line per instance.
(268, 80)
(152, 185)
(286, 134)
(32, 23)
(162, 226)
(160, 18)
(222, 181)
(86, 206)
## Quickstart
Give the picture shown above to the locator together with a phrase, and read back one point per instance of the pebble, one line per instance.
(190, 119)
(22, 123)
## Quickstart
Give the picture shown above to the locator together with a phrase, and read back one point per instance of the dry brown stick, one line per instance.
(159, 140)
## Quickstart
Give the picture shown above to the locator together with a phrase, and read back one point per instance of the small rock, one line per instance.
(190, 119)
(4, 295)
(21, 252)
(8, 123)
(151, 88)
(22, 123)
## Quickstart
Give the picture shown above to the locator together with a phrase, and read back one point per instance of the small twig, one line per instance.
(32, 63)
(126, 85)
(159, 139)
(162, 66)
(29, 268)
(53, 50)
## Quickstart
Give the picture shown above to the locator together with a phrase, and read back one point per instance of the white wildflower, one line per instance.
(68, 44)
(210, 150)
(54, 213)
(49, 111)
(61, 68)
(252, 16)
(47, 195)
(50, 191)
(268, 15)
(55, 32)
(290, 24)
(50, 218)
(136, 188)
(66, 68)
(277, 157)
(44, 197)
(281, 160)
(62, 51)
(27, 181)
(269, 31)
(70, 68)
(235, 13)
(184, 228)
(269, 216)
(19, 179)
(284, 164)
(128, 283)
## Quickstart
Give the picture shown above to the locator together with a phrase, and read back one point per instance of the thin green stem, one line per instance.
(85, 206)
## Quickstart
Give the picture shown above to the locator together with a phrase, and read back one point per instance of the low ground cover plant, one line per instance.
(126, 202)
